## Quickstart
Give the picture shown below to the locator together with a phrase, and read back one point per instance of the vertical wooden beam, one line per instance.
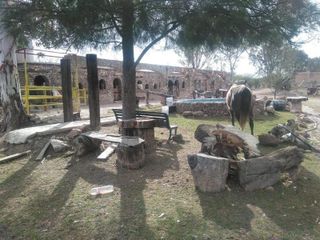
(93, 91)
(66, 90)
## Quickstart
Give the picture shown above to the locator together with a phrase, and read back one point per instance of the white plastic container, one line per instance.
(101, 190)
(169, 101)
(165, 109)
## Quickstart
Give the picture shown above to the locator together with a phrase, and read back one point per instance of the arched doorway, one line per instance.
(176, 88)
(146, 86)
(102, 84)
(139, 84)
(116, 89)
(41, 80)
(170, 87)
(155, 86)
(183, 84)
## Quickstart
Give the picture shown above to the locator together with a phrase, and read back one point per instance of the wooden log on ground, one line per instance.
(13, 156)
(209, 172)
(264, 171)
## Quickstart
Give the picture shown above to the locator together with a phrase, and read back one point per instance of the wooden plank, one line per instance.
(93, 91)
(123, 140)
(108, 152)
(66, 90)
(43, 151)
(14, 156)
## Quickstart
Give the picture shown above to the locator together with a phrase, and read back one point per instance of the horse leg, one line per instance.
(232, 117)
(251, 123)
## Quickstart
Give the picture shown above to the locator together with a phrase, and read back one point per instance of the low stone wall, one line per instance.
(213, 109)
(206, 109)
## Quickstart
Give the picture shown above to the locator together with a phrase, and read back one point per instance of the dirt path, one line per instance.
(315, 133)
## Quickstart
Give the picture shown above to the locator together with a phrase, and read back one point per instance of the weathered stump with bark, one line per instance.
(141, 127)
(131, 157)
(209, 172)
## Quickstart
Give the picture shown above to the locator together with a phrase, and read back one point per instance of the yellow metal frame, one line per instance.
(80, 95)
(44, 97)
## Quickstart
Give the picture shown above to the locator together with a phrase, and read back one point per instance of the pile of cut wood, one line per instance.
(226, 150)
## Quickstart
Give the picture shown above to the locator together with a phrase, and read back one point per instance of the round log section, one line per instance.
(140, 127)
(131, 153)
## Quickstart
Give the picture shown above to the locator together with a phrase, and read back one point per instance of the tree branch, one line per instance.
(174, 26)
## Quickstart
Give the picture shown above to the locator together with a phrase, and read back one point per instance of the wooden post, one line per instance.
(93, 91)
(66, 90)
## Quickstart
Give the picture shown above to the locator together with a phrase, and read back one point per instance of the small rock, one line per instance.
(270, 188)
(187, 114)
(74, 133)
(268, 140)
(198, 114)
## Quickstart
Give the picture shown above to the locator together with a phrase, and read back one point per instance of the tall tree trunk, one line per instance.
(14, 114)
(129, 71)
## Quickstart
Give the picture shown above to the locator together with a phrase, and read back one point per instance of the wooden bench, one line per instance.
(161, 120)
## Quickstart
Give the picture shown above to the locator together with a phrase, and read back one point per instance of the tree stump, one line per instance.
(141, 127)
(209, 172)
(131, 157)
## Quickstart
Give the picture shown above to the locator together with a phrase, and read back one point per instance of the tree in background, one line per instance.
(231, 54)
(277, 63)
(197, 57)
(125, 23)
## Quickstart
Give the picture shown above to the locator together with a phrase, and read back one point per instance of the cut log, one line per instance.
(209, 172)
(13, 156)
(227, 141)
(131, 157)
(262, 172)
(108, 152)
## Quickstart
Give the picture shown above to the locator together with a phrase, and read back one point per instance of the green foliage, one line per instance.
(99, 22)
(278, 63)
(314, 64)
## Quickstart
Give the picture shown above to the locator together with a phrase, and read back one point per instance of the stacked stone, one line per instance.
(206, 109)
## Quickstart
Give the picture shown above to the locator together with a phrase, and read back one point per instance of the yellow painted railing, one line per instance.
(45, 96)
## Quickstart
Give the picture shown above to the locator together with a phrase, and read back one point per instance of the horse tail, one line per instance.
(245, 107)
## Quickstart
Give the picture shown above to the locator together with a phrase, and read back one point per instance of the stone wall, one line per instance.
(217, 109)
(176, 81)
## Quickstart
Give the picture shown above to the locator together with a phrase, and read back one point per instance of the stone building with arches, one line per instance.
(179, 82)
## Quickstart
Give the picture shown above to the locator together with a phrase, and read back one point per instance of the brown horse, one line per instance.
(240, 101)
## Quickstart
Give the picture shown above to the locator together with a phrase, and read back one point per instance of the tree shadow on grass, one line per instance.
(16, 182)
(294, 209)
(47, 210)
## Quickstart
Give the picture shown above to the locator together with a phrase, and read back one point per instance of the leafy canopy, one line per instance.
(97, 23)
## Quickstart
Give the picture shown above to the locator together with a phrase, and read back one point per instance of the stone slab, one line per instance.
(20, 136)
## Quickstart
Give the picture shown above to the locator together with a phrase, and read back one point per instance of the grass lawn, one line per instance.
(48, 201)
